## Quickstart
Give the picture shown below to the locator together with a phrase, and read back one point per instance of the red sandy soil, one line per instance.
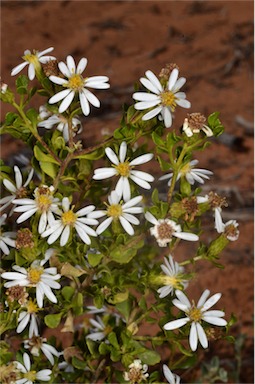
(212, 43)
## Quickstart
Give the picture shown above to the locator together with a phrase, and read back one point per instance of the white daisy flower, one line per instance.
(171, 378)
(165, 229)
(31, 376)
(195, 314)
(43, 279)
(116, 210)
(173, 278)
(99, 331)
(62, 125)
(17, 190)
(29, 317)
(6, 237)
(33, 60)
(37, 343)
(162, 100)
(191, 174)
(230, 229)
(137, 372)
(80, 220)
(195, 123)
(76, 83)
(44, 203)
(123, 168)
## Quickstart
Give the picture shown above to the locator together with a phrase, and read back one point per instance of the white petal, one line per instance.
(84, 211)
(167, 117)
(82, 233)
(23, 323)
(210, 302)
(142, 183)
(84, 103)
(183, 103)
(47, 50)
(142, 159)
(48, 292)
(179, 83)
(111, 156)
(123, 151)
(143, 96)
(63, 68)
(26, 215)
(186, 236)
(42, 222)
(218, 221)
(119, 186)
(154, 80)
(108, 172)
(31, 71)
(193, 337)
(215, 320)
(44, 375)
(168, 374)
(132, 219)
(202, 336)
(27, 362)
(172, 79)
(132, 202)
(18, 177)
(126, 225)
(141, 105)
(105, 224)
(203, 298)
(65, 236)
(55, 235)
(66, 102)
(181, 306)
(59, 96)
(151, 218)
(216, 313)
(142, 175)
(82, 65)
(58, 80)
(176, 324)
(149, 85)
(18, 68)
(92, 98)
(151, 114)
(9, 186)
(183, 298)
(71, 64)
(126, 189)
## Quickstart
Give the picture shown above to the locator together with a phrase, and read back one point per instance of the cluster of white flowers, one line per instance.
(57, 219)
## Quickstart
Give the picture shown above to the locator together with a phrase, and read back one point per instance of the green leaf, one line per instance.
(150, 357)
(67, 292)
(154, 197)
(122, 254)
(49, 168)
(97, 154)
(41, 156)
(22, 84)
(113, 340)
(32, 114)
(94, 258)
(52, 321)
(79, 364)
(125, 307)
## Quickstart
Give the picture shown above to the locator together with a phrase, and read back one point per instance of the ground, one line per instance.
(212, 43)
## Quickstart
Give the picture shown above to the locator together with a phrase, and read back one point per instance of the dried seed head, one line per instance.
(217, 201)
(51, 68)
(190, 206)
(166, 71)
(24, 239)
(17, 293)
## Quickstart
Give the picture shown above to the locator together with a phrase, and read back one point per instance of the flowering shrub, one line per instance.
(92, 251)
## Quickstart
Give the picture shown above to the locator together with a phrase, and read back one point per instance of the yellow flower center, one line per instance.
(195, 314)
(114, 211)
(30, 58)
(68, 218)
(123, 169)
(76, 82)
(168, 99)
(34, 274)
(31, 375)
(32, 307)
(185, 169)
(173, 281)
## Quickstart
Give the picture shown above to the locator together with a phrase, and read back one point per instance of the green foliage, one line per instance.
(117, 273)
